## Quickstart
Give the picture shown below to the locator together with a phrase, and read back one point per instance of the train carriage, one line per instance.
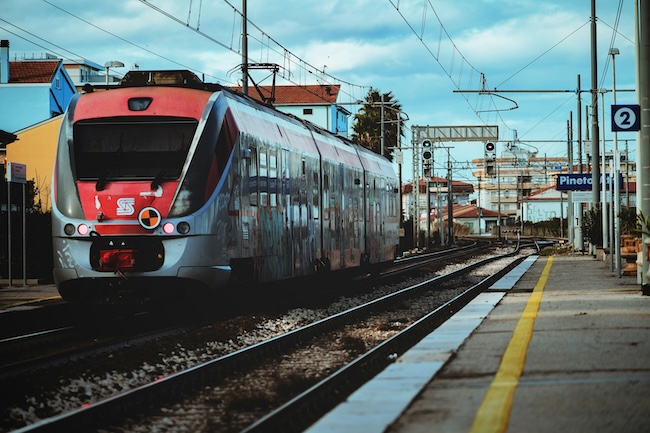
(168, 183)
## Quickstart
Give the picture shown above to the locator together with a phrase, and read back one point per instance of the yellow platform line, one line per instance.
(32, 301)
(494, 413)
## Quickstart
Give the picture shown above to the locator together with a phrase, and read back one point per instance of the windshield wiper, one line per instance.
(101, 182)
(155, 183)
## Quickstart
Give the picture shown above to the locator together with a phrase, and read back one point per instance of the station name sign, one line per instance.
(579, 182)
(574, 182)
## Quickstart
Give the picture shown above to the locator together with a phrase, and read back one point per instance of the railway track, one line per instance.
(61, 333)
(139, 400)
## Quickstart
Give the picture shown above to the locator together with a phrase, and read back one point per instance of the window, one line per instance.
(133, 148)
(307, 111)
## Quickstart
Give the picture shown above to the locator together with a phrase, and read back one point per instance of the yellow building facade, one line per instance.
(36, 147)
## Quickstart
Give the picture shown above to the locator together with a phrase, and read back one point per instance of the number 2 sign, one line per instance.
(625, 118)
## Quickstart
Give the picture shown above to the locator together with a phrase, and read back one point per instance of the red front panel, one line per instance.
(123, 201)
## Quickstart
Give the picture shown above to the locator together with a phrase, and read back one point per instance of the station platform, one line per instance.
(558, 345)
(19, 295)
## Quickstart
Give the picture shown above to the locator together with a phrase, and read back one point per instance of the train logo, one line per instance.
(149, 218)
(125, 206)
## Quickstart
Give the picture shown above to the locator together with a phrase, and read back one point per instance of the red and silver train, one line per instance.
(166, 183)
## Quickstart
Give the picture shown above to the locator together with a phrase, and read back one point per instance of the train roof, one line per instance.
(187, 79)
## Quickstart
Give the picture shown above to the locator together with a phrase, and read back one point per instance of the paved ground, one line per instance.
(567, 349)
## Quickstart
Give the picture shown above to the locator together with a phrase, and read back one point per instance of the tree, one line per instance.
(367, 123)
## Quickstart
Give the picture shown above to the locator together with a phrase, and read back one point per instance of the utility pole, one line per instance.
(450, 199)
(578, 240)
(595, 167)
(244, 51)
(643, 144)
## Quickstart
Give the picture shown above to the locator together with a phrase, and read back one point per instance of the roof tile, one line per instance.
(32, 72)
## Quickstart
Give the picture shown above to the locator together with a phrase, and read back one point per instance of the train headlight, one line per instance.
(82, 229)
(168, 228)
(69, 229)
(183, 228)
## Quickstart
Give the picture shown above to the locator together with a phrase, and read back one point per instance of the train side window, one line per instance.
(263, 179)
(273, 179)
(253, 177)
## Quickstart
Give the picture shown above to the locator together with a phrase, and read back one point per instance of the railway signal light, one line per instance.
(490, 158)
(427, 154)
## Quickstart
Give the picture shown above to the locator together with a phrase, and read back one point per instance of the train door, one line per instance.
(287, 210)
(315, 229)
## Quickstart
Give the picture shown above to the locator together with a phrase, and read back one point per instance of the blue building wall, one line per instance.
(62, 91)
(25, 104)
(22, 105)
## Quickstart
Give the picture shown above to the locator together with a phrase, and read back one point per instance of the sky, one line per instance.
(432, 55)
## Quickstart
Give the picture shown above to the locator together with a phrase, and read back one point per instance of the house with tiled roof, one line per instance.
(479, 220)
(31, 91)
(438, 194)
(313, 102)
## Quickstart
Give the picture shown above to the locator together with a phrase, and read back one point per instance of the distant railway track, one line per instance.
(137, 401)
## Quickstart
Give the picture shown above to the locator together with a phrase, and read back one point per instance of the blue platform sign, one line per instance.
(574, 182)
(581, 182)
(626, 118)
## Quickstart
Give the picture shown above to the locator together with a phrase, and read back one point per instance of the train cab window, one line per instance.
(131, 149)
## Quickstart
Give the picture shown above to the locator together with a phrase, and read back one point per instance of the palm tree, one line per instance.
(367, 123)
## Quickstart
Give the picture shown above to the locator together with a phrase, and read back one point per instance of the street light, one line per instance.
(112, 64)
(617, 166)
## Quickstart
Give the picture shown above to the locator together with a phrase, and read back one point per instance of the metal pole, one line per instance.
(569, 204)
(595, 139)
(611, 219)
(417, 171)
(428, 195)
(605, 207)
(24, 242)
(9, 229)
(643, 145)
(578, 240)
(496, 166)
(382, 126)
(399, 171)
(450, 199)
(478, 210)
(617, 184)
(244, 51)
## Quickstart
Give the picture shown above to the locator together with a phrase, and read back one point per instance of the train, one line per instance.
(166, 183)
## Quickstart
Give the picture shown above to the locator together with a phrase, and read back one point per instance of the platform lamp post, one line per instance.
(112, 64)
(617, 168)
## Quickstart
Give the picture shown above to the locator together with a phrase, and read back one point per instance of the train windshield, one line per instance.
(131, 148)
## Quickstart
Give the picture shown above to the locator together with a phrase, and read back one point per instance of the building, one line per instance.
(438, 193)
(504, 182)
(480, 221)
(313, 102)
(35, 90)
(523, 186)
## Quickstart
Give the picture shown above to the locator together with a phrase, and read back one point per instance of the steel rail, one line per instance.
(111, 409)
